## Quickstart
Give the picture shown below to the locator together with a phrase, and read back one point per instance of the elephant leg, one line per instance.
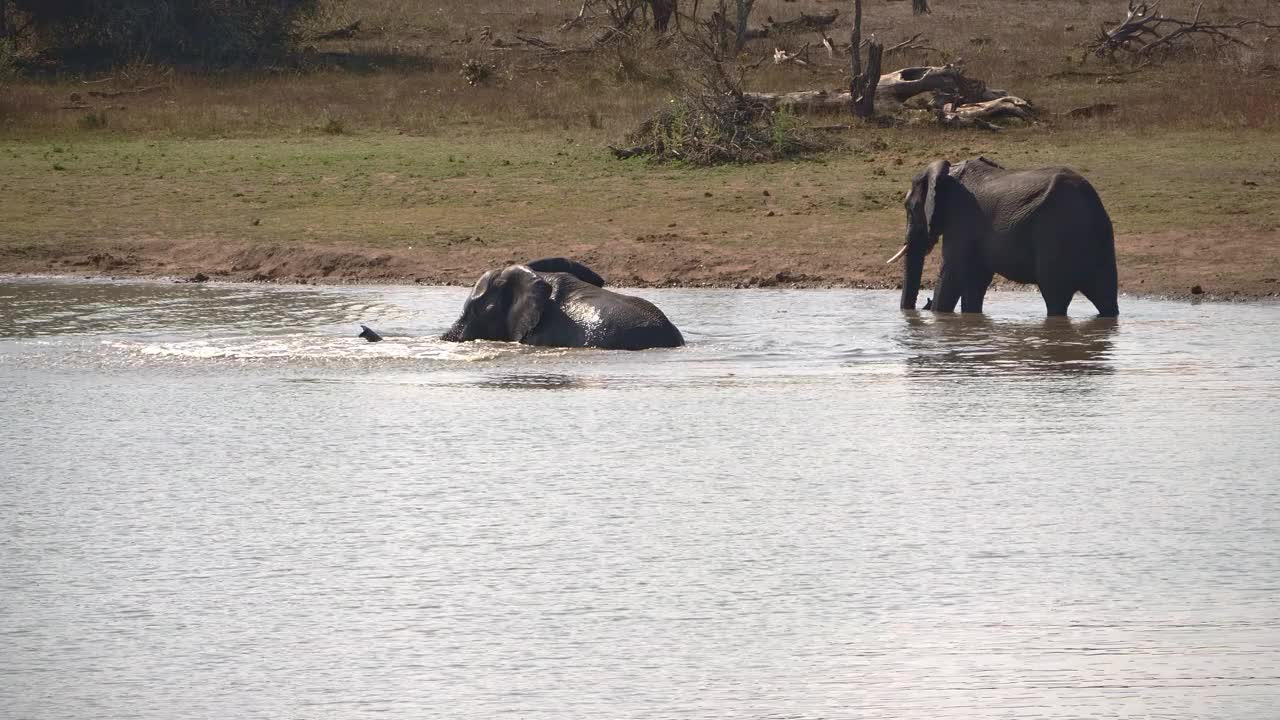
(975, 290)
(1101, 290)
(1056, 278)
(1057, 296)
(950, 284)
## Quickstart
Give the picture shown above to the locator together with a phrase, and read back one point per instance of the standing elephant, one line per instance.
(559, 302)
(1044, 226)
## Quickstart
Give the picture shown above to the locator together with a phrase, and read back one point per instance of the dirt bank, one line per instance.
(1241, 266)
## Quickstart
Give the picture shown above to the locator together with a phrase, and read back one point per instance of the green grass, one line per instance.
(382, 190)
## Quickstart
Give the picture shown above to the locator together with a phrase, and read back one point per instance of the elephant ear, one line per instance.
(482, 285)
(936, 178)
(528, 295)
(565, 265)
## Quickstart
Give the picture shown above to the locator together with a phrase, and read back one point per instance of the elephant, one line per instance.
(562, 303)
(1045, 226)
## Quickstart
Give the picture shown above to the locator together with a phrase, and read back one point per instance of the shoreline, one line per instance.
(327, 266)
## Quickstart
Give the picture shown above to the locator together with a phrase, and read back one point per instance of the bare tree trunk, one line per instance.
(744, 12)
(862, 85)
(720, 26)
(662, 12)
(855, 42)
(920, 7)
(4, 19)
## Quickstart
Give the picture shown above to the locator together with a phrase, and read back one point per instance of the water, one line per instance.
(217, 503)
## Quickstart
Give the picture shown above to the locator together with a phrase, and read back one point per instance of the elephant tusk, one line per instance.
(900, 253)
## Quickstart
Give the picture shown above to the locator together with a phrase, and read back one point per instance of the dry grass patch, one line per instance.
(401, 72)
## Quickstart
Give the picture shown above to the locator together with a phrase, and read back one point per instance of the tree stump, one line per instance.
(862, 85)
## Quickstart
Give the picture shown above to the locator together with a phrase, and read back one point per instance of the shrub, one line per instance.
(93, 120)
(476, 72)
(216, 32)
(704, 128)
(8, 57)
(333, 126)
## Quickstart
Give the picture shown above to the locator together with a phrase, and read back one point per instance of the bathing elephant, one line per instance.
(559, 302)
(1044, 226)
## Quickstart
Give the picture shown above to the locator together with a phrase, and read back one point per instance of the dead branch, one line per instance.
(630, 152)
(121, 93)
(1144, 31)
(826, 43)
(1091, 111)
(537, 42)
(952, 120)
(799, 57)
(342, 33)
(575, 21)
(802, 23)
(1007, 106)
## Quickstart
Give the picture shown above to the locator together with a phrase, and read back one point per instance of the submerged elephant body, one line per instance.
(1045, 226)
(560, 303)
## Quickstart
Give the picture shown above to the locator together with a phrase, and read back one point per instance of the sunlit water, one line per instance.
(218, 503)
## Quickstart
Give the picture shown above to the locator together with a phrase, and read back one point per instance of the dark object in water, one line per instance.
(369, 334)
(928, 304)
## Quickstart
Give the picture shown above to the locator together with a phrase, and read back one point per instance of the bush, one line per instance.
(94, 120)
(704, 128)
(8, 58)
(216, 32)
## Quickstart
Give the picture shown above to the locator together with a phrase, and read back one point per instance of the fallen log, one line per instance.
(952, 120)
(121, 93)
(1094, 110)
(342, 33)
(903, 84)
(822, 101)
(899, 86)
(1008, 106)
(630, 152)
(809, 101)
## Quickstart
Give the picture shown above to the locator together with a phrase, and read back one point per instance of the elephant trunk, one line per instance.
(912, 269)
(455, 333)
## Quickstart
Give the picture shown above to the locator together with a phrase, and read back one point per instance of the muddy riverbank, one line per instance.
(1161, 265)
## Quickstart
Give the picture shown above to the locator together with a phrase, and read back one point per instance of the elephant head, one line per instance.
(504, 305)
(924, 226)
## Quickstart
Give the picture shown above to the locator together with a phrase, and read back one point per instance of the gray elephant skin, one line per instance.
(1043, 226)
(561, 303)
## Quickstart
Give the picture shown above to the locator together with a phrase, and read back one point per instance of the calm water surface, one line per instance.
(215, 502)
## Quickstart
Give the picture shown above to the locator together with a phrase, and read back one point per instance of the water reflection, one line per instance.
(974, 345)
